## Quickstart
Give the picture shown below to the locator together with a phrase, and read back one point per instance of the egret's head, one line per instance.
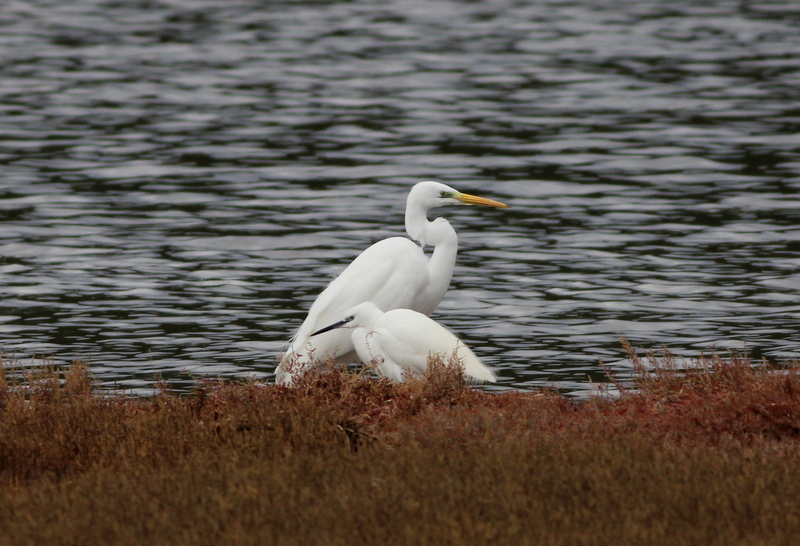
(362, 315)
(428, 195)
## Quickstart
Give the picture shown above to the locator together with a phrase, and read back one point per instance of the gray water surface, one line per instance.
(179, 180)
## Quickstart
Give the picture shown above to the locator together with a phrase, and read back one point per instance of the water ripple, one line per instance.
(179, 183)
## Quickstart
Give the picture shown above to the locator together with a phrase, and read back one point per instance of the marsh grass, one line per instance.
(705, 454)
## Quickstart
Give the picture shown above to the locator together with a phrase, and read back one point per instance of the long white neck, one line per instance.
(439, 234)
(442, 236)
(440, 265)
(417, 224)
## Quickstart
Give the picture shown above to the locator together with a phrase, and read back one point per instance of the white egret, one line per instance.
(393, 273)
(400, 342)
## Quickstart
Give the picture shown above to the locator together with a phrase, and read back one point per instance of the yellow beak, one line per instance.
(468, 199)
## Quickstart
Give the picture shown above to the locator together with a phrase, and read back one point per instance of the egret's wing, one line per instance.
(389, 273)
(408, 338)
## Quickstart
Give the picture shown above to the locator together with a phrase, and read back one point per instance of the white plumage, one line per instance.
(400, 342)
(393, 273)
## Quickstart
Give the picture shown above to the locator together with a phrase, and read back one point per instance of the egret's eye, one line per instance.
(444, 194)
(351, 317)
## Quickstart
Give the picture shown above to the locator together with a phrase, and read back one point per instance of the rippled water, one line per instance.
(180, 179)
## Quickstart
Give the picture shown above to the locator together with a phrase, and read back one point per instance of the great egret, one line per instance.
(400, 342)
(393, 273)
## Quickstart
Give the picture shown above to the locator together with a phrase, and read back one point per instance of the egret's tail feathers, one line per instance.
(462, 360)
(301, 358)
(292, 365)
(474, 369)
(483, 374)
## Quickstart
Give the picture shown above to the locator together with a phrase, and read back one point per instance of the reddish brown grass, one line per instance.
(707, 455)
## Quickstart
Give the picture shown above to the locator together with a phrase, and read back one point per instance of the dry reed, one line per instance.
(708, 454)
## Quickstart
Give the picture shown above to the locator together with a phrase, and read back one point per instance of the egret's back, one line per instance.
(390, 273)
(402, 340)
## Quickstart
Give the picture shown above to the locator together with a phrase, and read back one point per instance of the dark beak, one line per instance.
(333, 326)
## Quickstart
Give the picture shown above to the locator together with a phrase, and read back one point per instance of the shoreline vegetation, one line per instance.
(707, 453)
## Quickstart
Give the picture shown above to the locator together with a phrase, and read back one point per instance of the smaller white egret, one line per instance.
(400, 342)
